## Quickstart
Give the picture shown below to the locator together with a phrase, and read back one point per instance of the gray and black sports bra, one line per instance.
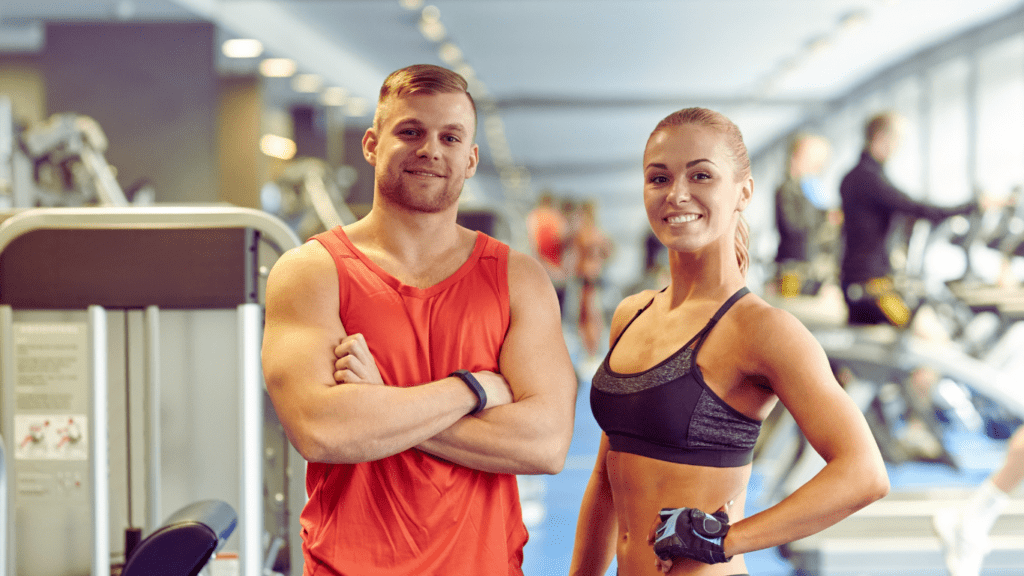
(668, 412)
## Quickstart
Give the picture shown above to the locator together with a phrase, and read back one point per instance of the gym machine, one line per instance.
(874, 363)
(56, 162)
(131, 383)
(308, 197)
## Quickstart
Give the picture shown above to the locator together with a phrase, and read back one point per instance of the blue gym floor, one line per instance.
(551, 503)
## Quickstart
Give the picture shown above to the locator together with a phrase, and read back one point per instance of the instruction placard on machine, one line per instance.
(51, 391)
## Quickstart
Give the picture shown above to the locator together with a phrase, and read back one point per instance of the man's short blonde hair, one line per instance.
(420, 79)
(882, 122)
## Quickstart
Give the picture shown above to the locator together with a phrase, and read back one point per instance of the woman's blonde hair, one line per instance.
(738, 151)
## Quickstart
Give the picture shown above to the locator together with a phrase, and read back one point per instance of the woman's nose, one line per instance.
(680, 193)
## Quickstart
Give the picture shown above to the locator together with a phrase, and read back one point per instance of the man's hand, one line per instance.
(497, 388)
(354, 363)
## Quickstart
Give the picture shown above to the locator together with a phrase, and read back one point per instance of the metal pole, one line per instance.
(251, 441)
(153, 450)
(99, 464)
(7, 564)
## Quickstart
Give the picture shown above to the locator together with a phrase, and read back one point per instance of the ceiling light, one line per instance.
(307, 83)
(277, 146)
(433, 30)
(28, 37)
(277, 67)
(466, 71)
(356, 107)
(125, 9)
(334, 96)
(242, 48)
(430, 24)
(449, 53)
(431, 14)
(411, 4)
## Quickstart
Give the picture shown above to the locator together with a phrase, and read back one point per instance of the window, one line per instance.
(1000, 117)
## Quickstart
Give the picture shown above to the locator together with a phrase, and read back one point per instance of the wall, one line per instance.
(154, 90)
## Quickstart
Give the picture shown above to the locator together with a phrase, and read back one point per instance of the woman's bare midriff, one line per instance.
(643, 486)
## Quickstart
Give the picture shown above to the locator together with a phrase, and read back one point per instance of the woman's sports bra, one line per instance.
(668, 412)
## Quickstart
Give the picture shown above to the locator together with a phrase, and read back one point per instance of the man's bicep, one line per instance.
(534, 358)
(302, 322)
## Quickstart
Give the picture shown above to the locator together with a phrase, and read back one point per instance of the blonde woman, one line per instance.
(692, 371)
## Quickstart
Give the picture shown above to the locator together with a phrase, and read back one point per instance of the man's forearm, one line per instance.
(512, 439)
(352, 423)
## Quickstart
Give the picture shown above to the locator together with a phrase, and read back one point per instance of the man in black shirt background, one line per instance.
(870, 203)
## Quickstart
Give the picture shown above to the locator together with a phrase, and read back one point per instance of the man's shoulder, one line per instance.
(310, 251)
(302, 275)
(308, 260)
(522, 264)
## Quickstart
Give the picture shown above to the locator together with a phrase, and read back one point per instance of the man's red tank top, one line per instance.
(412, 513)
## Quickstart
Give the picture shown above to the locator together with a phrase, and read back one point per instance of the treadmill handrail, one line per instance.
(275, 230)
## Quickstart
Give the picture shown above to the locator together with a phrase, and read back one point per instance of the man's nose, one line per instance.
(428, 148)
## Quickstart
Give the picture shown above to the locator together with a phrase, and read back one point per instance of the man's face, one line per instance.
(887, 142)
(422, 151)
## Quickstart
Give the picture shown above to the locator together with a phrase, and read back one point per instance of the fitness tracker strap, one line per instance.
(474, 385)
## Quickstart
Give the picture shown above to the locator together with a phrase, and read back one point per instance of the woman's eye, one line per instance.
(657, 179)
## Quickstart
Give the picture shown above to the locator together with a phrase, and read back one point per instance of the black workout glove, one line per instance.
(690, 533)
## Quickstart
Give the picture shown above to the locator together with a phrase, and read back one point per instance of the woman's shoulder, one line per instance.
(635, 302)
(629, 307)
(764, 323)
(760, 339)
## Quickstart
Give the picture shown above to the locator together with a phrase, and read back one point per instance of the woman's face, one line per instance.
(692, 192)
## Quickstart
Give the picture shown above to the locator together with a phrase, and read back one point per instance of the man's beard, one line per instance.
(398, 195)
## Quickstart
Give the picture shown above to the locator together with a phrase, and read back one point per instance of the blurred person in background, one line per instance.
(547, 229)
(964, 531)
(870, 204)
(591, 248)
(800, 215)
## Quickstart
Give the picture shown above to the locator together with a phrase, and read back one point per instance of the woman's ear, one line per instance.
(746, 192)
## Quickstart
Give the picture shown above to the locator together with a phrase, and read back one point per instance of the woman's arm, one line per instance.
(796, 368)
(597, 525)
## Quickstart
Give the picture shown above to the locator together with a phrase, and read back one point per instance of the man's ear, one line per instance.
(370, 146)
(474, 160)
